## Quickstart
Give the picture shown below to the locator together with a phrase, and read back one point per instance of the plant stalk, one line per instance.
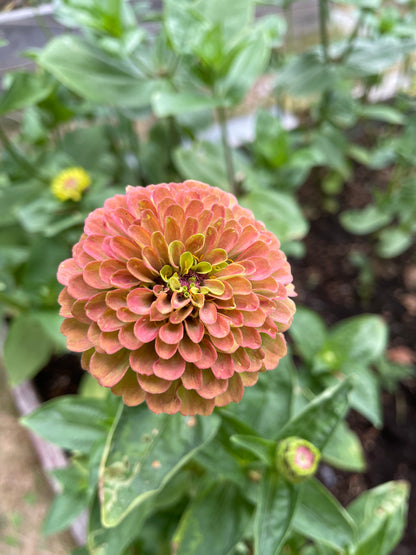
(323, 28)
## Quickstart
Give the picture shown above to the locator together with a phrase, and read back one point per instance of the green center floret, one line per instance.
(188, 279)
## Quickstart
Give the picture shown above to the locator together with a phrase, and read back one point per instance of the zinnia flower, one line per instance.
(176, 296)
(69, 184)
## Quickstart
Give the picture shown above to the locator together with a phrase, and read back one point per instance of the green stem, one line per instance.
(27, 166)
(323, 27)
(228, 155)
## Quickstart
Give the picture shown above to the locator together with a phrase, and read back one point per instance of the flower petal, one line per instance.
(109, 369)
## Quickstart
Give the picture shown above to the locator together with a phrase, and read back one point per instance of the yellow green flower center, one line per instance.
(193, 278)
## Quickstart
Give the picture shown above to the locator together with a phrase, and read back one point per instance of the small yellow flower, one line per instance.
(70, 183)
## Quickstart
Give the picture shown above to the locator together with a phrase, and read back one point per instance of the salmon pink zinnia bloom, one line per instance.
(176, 296)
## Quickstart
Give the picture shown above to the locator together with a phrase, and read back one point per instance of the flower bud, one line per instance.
(297, 459)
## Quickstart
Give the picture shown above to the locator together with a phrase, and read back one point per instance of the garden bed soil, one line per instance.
(327, 281)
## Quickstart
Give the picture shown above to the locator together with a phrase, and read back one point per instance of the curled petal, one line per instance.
(192, 403)
(234, 392)
(109, 369)
(67, 269)
(171, 333)
(170, 369)
(167, 402)
(142, 359)
(76, 335)
(190, 351)
(145, 330)
(139, 300)
(129, 389)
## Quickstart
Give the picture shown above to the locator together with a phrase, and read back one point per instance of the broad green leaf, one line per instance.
(34, 216)
(95, 75)
(27, 89)
(166, 103)
(305, 74)
(393, 241)
(143, 451)
(364, 221)
(280, 213)
(273, 520)
(113, 541)
(246, 67)
(366, 395)
(184, 24)
(204, 161)
(380, 515)
(72, 422)
(372, 56)
(214, 522)
(75, 497)
(382, 112)
(51, 321)
(27, 348)
(308, 331)
(64, 509)
(344, 450)
(233, 17)
(320, 517)
(319, 419)
(11, 198)
(263, 449)
(360, 339)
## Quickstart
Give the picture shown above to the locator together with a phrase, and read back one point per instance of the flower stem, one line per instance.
(323, 27)
(228, 155)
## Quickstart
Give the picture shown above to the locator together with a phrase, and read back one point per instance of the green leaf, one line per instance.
(372, 56)
(305, 74)
(367, 220)
(214, 522)
(95, 75)
(72, 422)
(246, 67)
(320, 517)
(262, 448)
(380, 514)
(308, 332)
(366, 395)
(26, 89)
(280, 213)
(344, 450)
(204, 162)
(64, 509)
(144, 450)
(113, 541)
(166, 103)
(27, 348)
(13, 197)
(273, 520)
(319, 419)
(234, 17)
(382, 112)
(393, 241)
(360, 340)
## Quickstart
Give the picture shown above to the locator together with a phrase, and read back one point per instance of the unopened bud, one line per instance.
(297, 459)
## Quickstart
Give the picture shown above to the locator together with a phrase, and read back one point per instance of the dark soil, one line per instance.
(327, 281)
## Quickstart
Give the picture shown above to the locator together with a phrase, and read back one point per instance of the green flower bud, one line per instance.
(297, 459)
